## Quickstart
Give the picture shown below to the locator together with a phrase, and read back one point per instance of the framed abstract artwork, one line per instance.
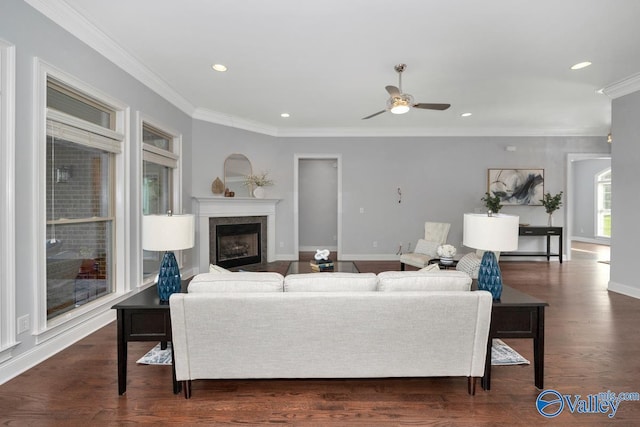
(517, 186)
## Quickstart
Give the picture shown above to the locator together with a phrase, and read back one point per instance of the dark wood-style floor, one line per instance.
(592, 345)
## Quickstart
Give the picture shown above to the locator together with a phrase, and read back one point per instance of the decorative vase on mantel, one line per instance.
(258, 192)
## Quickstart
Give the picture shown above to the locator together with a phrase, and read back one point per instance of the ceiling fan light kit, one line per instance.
(400, 103)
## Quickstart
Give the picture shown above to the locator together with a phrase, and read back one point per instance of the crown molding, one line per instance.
(447, 132)
(623, 87)
(76, 24)
(234, 121)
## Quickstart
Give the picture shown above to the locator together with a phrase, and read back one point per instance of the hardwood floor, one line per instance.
(592, 346)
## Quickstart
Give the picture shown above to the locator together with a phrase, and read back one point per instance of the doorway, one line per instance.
(581, 213)
(317, 202)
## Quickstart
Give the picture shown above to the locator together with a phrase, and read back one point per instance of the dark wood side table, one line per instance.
(142, 317)
(442, 265)
(541, 231)
(517, 315)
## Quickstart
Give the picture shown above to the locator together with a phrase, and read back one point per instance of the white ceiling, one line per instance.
(327, 62)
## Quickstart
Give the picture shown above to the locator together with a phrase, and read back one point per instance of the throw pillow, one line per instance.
(330, 282)
(431, 267)
(217, 269)
(236, 282)
(470, 264)
(402, 281)
(427, 248)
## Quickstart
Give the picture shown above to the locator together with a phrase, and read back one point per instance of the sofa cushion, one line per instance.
(446, 280)
(330, 282)
(237, 282)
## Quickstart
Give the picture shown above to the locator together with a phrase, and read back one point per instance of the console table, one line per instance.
(142, 317)
(517, 315)
(533, 230)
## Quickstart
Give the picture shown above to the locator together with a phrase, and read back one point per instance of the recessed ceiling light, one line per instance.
(285, 115)
(580, 65)
(219, 67)
(466, 114)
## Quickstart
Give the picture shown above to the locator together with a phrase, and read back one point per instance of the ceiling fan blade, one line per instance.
(393, 91)
(432, 106)
(374, 114)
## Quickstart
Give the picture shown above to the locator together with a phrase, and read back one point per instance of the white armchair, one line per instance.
(435, 234)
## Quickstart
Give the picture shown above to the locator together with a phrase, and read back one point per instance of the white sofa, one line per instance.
(330, 325)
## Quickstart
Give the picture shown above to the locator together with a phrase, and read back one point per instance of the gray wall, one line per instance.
(584, 198)
(36, 37)
(625, 233)
(441, 179)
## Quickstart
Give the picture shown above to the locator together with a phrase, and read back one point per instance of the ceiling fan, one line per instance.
(400, 103)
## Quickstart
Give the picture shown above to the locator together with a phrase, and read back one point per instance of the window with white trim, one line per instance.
(603, 201)
(160, 182)
(82, 149)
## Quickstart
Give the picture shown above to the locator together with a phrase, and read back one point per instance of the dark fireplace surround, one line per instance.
(237, 241)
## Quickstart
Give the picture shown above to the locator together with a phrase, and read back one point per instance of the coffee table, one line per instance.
(297, 267)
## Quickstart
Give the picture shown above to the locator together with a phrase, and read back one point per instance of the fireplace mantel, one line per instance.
(208, 207)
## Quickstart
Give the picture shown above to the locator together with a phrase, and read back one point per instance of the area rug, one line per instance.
(501, 355)
(156, 356)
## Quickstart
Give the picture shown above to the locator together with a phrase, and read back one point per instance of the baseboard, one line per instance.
(314, 248)
(370, 257)
(624, 289)
(27, 360)
(595, 241)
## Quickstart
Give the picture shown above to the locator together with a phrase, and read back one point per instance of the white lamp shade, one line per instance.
(167, 233)
(490, 233)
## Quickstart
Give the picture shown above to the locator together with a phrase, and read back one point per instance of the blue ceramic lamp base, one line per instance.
(169, 277)
(489, 275)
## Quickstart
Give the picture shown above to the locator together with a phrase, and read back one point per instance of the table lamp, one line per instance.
(490, 233)
(168, 233)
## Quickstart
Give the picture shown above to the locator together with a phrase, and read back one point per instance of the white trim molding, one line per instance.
(623, 87)
(619, 288)
(7, 201)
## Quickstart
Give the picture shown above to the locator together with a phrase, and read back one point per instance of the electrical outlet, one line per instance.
(375, 244)
(282, 244)
(361, 210)
(23, 324)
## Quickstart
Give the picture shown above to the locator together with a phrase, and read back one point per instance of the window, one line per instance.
(83, 200)
(603, 209)
(160, 181)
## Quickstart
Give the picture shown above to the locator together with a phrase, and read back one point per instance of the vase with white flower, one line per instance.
(446, 253)
(257, 182)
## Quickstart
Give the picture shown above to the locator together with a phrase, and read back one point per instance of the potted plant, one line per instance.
(257, 182)
(492, 202)
(551, 204)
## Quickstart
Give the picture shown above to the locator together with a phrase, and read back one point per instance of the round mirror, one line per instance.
(236, 168)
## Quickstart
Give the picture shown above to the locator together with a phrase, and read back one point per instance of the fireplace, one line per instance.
(237, 241)
(238, 244)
